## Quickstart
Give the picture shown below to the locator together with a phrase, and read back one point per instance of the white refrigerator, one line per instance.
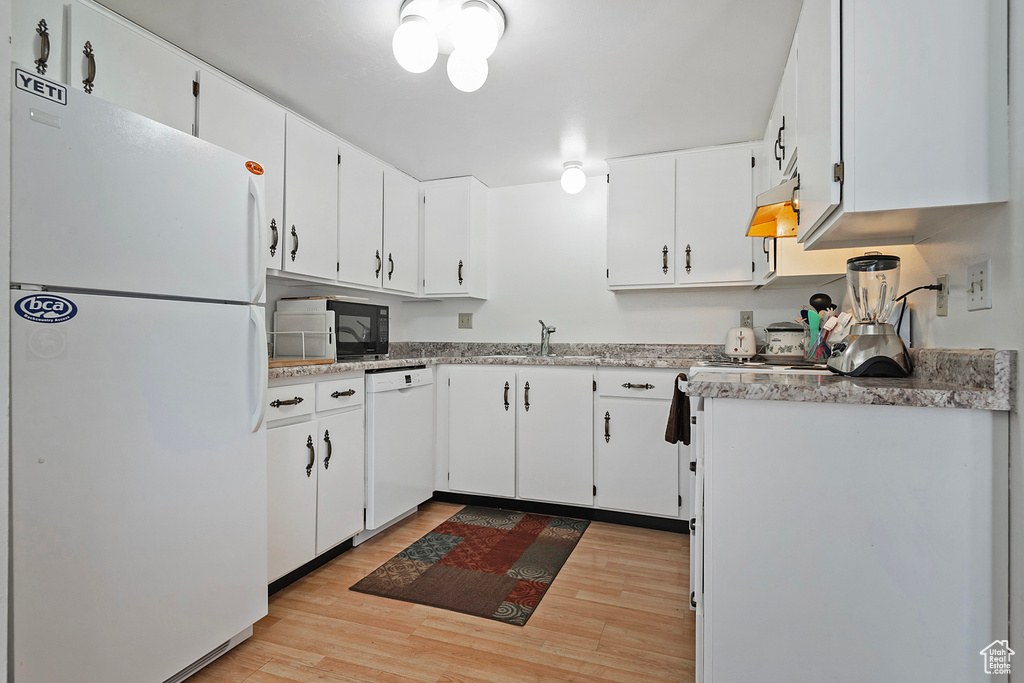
(138, 372)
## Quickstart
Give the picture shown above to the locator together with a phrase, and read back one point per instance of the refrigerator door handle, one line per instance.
(260, 276)
(259, 320)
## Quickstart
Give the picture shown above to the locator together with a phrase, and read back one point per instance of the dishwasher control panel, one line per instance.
(401, 378)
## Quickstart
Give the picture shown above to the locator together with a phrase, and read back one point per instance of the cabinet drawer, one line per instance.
(339, 393)
(646, 382)
(289, 401)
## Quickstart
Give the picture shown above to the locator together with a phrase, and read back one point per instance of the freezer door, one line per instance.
(105, 199)
(139, 532)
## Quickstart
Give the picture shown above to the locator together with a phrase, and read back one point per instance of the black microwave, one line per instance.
(361, 330)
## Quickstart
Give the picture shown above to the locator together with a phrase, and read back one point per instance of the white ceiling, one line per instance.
(571, 79)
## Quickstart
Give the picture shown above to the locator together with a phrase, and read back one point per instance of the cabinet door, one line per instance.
(637, 470)
(773, 137)
(790, 124)
(446, 215)
(818, 102)
(641, 221)
(482, 431)
(360, 219)
(714, 198)
(340, 484)
(131, 69)
(556, 442)
(401, 232)
(310, 241)
(246, 123)
(26, 41)
(291, 498)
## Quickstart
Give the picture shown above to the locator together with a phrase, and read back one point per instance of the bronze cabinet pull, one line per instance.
(295, 236)
(460, 271)
(687, 259)
(506, 395)
(380, 265)
(607, 426)
(290, 402)
(44, 47)
(391, 268)
(273, 229)
(347, 392)
(330, 448)
(90, 79)
(776, 152)
(526, 397)
(312, 455)
(630, 385)
(781, 139)
(664, 259)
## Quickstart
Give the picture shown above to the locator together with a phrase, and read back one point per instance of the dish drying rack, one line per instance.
(301, 347)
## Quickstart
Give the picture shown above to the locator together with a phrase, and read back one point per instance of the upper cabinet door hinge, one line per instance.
(195, 88)
(339, 160)
(753, 162)
(837, 172)
(608, 178)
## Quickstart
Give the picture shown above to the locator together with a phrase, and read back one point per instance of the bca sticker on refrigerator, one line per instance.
(254, 168)
(45, 308)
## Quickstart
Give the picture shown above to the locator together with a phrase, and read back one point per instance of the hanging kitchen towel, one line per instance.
(678, 428)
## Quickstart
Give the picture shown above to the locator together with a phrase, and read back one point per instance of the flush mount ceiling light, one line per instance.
(573, 177)
(466, 30)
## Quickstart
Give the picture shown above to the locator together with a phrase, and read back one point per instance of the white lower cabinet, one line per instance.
(637, 470)
(315, 472)
(482, 431)
(555, 436)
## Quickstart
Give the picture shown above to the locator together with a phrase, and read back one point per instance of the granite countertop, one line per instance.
(943, 378)
(670, 356)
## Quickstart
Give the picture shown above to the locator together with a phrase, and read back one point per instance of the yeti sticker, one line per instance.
(45, 308)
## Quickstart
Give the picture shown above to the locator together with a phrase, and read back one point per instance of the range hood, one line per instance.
(777, 211)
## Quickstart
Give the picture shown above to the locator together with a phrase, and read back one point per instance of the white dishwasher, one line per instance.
(399, 442)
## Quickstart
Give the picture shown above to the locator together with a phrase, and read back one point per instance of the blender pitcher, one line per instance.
(872, 349)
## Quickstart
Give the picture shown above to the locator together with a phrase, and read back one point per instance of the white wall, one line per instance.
(547, 262)
(5, 339)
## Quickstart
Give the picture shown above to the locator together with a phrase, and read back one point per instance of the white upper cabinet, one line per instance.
(714, 197)
(249, 124)
(310, 239)
(401, 250)
(678, 220)
(788, 94)
(455, 238)
(642, 221)
(29, 39)
(360, 218)
(129, 68)
(924, 117)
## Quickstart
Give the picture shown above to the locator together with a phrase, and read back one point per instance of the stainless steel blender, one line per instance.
(872, 348)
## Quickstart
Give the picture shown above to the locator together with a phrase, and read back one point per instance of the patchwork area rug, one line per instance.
(490, 563)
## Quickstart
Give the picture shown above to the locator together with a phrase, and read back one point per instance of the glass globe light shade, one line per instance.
(467, 73)
(414, 44)
(475, 32)
(573, 177)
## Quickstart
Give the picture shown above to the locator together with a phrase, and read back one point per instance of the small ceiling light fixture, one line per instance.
(573, 177)
(467, 30)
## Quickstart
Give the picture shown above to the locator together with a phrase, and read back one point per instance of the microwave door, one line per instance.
(354, 334)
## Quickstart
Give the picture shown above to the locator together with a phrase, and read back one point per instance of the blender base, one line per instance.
(871, 350)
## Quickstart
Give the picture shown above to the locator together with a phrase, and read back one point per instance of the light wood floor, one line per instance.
(617, 611)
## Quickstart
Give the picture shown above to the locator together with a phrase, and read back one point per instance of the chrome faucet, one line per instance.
(545, 338)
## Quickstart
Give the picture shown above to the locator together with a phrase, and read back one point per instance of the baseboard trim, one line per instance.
(317, 562)
(679, 526)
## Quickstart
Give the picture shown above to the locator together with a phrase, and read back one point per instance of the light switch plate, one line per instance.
(465, 321)
(746, 318)
(979, 290)
(942, 297)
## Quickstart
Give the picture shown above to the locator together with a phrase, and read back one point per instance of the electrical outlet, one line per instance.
(465, 321)
(942, 297)
(979, 290)
(746, 318)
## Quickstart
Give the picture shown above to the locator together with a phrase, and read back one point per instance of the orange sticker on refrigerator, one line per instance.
(254, 168)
